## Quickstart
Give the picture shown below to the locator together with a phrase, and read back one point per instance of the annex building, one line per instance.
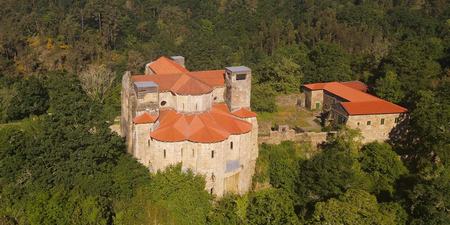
(348, 103)
(200, 119)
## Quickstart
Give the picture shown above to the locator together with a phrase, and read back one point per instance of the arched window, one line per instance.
(163, 103)
(231, 145)
(164, 153)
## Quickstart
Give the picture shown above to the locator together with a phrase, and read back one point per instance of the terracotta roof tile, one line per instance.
(356, 84)
(359, 102)
(164, 65)
(188, 85)
(170, 76)
(244, 113)
(214, 78)
(145, 118)
(213, 126)
(375, 107)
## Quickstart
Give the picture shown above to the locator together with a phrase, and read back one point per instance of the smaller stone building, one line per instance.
(348, 103)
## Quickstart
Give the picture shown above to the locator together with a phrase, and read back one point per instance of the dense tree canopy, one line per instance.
(60, 164)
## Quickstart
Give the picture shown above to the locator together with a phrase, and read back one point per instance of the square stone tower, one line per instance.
(238, 81)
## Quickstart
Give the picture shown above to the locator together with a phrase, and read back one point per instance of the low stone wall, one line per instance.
(283, 134)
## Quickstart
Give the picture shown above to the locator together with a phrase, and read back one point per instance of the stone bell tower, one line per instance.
(238, 81)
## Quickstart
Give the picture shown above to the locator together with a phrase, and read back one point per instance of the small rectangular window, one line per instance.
(241, 76)
(368, 122)
(396, 119)
(357, 123)
(382, 121)
(231, 145)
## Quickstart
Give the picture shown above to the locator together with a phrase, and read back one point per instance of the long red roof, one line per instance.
(170, 76)
(213, 126)
(358, 102)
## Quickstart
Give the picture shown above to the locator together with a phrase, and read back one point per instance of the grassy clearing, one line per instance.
(27, 124)
(290, 115)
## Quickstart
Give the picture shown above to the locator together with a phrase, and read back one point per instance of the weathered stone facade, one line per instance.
(227, 165)
(314, 100)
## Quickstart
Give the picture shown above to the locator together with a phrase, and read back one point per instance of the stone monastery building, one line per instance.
(348, 103)
(200, 119)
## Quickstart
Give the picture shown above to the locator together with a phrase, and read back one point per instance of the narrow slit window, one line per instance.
(212, 154)
(231, 145)
(193, 153)
(165, 153)
(181, 152)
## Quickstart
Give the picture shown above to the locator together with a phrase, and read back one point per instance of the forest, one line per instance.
(61, 164)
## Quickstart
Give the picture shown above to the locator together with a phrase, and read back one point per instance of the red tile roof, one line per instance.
(214, 78)
(170, 76)
(164, 65)
(356, 84)
(145, 118)
(213, 126)
(375, 107)
(244, 113)
(359, 102)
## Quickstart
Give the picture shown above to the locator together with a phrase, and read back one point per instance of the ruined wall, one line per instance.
(276, 137)
(375, 131)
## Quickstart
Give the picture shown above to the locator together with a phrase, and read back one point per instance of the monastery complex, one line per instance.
(203, 119)
(200, 119)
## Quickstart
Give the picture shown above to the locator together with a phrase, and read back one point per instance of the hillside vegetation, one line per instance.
(61, 63)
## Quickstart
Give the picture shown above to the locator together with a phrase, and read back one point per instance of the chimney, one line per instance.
(178, 59)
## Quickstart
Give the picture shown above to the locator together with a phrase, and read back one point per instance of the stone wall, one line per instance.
(218, 94)
(313, 97)
(208, 159)
(371, 126)
(238, 91)
(190, 103)
(193, 103)
(283, 134)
